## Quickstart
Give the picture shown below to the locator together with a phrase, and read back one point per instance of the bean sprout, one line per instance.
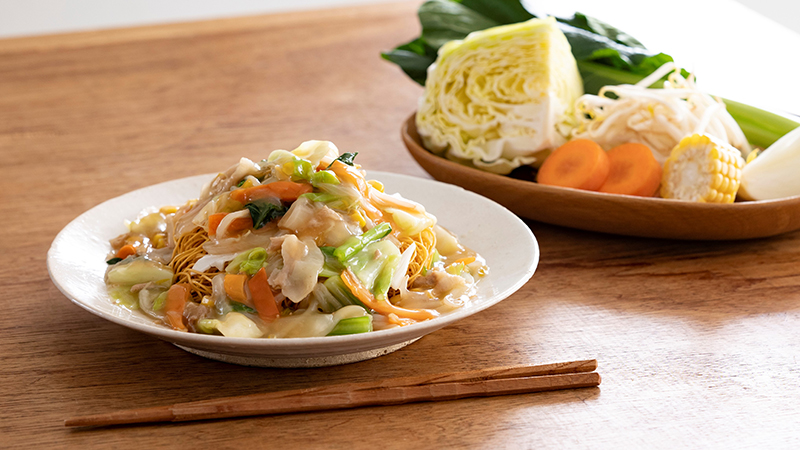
(658, 118)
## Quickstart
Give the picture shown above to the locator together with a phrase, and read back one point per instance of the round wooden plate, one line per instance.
(611, 213)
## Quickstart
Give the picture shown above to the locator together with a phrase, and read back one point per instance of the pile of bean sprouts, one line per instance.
(658, 118)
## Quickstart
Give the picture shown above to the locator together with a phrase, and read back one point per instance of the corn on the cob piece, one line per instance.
(702, 169)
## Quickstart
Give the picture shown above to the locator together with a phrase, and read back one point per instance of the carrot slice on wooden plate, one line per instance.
(633, 171)
(579, 164)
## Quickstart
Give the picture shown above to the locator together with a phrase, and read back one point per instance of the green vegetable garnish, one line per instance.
(263, 212)
(123, 296)
(160, 301)
(207, 326)
(381, 287)
(242, 308)
(354, 244)
(346, 158)
(339, 290)
(324, 176)
(248, 262)
(352, 325)
(332, 266)
(301, 169)
(113, 261)
(320, 197)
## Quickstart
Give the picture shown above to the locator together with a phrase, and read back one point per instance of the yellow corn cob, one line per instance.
(702, 169)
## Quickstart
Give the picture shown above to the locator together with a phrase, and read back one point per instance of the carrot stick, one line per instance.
(263, 299)
(125, 251)
(213, 222)
(633, 171)
(382, 306)
(177, 296)
(579, 164)
(234, 287)
(284, 190)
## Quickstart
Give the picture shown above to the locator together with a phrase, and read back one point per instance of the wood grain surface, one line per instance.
(697, 342)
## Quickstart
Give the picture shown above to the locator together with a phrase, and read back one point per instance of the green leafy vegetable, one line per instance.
(113, 261)
(254, 262)
(123, 296)
(352, 325)
(139, 270)
(207, 326)
(263, 212)
(248, 262)
(384, 279)
(339, 290)
(346, 158)
(301, 169)
(160, 301)
(324, 176)
(612, 52)
(332, 267)
(242, 308)
(370, 266)
(354, 244)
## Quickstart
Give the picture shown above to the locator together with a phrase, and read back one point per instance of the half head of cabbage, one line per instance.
(501, 96)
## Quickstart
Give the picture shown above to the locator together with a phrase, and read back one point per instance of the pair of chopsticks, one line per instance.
(394, 391)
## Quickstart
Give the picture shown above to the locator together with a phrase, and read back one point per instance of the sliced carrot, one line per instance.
(125, 251)
(234, 287)
(213, 222)
(263, 299)
(579, 164)
(287, 191)
(384, 307)
(633, 171)
(177, 296)
(239, 224)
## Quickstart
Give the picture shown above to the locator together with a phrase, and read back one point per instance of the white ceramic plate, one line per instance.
(76, 262)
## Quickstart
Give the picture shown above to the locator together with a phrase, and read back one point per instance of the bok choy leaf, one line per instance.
(611, 50)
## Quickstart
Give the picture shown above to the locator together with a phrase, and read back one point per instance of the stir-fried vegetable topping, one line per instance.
(297, 245)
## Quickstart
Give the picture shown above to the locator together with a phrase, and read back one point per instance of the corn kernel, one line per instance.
(159, 240)
(359, 218)
(376, 184)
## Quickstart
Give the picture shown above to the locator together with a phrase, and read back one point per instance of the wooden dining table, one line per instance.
(698, 342)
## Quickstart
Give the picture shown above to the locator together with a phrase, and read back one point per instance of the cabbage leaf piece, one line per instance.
(501, 95)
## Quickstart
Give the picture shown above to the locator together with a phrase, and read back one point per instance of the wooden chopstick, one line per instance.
(478, 383)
